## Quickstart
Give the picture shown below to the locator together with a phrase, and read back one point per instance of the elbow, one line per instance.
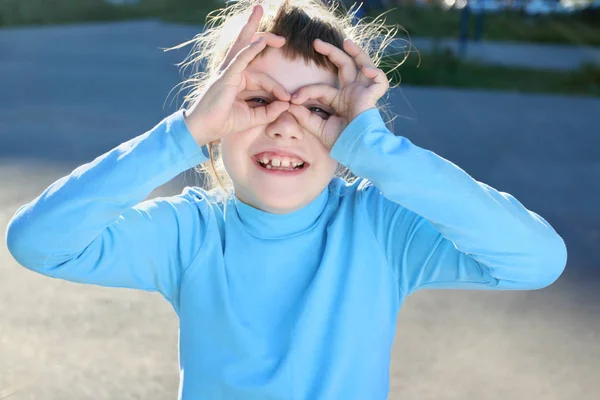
(14, 241)
(550, 262)
(18, 243)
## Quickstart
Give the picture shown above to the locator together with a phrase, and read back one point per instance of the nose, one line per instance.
(285, 127)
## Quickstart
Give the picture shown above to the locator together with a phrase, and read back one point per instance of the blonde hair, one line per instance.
(300, 22)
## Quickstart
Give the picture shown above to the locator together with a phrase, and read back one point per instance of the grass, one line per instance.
(46, 12)
(579, 29)
(445, 69)
(40, 12)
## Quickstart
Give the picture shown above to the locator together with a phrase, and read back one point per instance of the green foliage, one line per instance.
(44, 12)
(40, 12)
(580, 28)
(588, 77)
(181, 11)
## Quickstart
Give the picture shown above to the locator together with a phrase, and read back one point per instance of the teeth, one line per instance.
(280, 162)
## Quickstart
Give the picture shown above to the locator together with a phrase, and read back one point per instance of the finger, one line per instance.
(272, 39)
(243, 58)
(268, 114)
(262, 81)
(346, 67)
(361, 58)
(245, 35)
(309, 121)
(324, 93)
(380, 81)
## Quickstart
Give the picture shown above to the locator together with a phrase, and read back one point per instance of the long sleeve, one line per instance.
(93, 226)
(440, 228)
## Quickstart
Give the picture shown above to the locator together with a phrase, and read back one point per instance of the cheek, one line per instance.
(234, 148)
(323, 154)
(231, 144)
(327, 165)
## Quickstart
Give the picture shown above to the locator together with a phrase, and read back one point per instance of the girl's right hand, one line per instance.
(219, 111)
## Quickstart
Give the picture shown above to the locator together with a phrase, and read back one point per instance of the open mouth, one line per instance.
(273, 162)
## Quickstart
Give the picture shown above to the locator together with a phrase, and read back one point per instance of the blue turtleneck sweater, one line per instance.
(299, 306)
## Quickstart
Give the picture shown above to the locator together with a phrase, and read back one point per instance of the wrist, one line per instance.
(197, 128)
(359, 110)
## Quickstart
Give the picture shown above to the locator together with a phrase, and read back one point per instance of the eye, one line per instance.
(257, 102)
(322, 113)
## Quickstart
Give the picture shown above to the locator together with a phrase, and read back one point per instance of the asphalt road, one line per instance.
(556, 57)
(68, 94)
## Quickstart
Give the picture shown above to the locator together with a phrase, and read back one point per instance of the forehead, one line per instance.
(291, 74)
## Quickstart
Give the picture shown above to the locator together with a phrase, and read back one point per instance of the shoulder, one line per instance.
(199, 195)
(358, 191)
(192, 200)
(357, 198)
(203, 199)
(365, 201)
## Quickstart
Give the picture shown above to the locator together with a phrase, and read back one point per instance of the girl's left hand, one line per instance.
(362, 84)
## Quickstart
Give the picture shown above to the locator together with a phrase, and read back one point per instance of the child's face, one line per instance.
(271, 190)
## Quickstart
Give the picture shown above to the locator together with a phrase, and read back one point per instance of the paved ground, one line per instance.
(527, 55)
(69, 94)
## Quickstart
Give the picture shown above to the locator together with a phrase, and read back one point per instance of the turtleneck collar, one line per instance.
(265, 225)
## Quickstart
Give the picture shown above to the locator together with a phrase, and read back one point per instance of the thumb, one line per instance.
(245, 56)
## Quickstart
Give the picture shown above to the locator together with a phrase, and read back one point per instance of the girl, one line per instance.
(288, 284)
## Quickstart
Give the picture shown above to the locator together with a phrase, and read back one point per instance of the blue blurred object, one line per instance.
(365, 7)
(479, 8)
(465, 17)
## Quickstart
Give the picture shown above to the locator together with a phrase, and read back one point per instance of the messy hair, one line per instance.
(300, 22)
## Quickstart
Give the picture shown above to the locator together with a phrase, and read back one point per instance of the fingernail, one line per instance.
(295, 96)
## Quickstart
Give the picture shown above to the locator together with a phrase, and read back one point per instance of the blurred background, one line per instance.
(507, 90)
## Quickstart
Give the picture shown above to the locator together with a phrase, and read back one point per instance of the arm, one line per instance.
(440, 228)
(90, 226)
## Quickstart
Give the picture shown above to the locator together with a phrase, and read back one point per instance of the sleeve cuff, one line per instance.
(192, 152)
(345, 146)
